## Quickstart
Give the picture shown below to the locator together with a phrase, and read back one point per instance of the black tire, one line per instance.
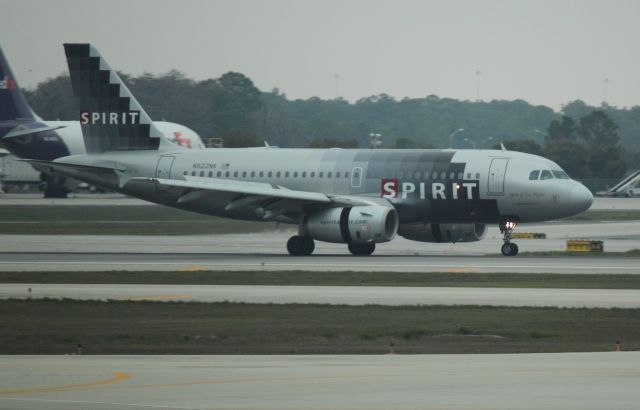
(362, 249)
(300, 245)
(509, 249)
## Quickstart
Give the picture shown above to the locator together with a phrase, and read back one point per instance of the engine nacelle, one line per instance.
(358, 224)
(440, 233)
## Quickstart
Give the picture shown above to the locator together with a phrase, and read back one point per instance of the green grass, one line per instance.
(305, 278)
(160, 220)
(118, 220)
(57, 326)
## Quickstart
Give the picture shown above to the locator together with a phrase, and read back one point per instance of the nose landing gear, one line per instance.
(508, 248)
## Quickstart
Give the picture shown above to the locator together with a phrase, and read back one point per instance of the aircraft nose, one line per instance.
(581, 198)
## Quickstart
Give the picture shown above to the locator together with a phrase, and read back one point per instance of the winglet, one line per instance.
(502, 147)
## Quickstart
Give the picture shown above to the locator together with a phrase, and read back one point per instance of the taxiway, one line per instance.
(505, 381)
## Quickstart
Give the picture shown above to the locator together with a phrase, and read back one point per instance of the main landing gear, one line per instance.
(508, 248)
(362, 249)
(300, 245)
(303, 246)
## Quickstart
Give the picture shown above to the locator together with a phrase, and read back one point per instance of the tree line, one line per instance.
(586, 141)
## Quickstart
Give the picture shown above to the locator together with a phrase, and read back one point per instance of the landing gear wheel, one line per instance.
(54, 186)
(300, 245)
(362, 249)
(509, 249)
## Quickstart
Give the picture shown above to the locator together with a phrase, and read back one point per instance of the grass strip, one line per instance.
(118, 220)
(114, 327)
(308, 278)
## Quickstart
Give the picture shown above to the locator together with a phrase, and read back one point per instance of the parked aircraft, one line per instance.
(26, 135)
(359, 197)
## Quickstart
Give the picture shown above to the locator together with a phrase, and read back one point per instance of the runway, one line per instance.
(336, 295)
(618, 237)
(51, 262)
(506, 381)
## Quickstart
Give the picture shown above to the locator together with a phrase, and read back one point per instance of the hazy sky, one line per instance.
(545, 52)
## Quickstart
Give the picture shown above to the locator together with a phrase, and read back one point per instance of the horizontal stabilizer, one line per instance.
(21, 131)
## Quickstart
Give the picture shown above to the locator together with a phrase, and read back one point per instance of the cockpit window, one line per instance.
(546, 175)
(534, 175)
(560, 175)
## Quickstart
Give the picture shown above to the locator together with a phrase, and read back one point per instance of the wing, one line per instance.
(268, 200)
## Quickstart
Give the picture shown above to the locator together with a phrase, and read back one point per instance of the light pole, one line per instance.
(453, 134)
(472, 143)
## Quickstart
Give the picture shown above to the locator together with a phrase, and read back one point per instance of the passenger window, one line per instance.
(286, 174)
(261, 174)
(185, 173)
(193, 173)
(560, 175)
(304, 174)
(278, 174)
(235, 174)
(295, 174)
(328, 174)
(312, 174)
(417, 175)
(337, 174)
(427, 174)
(253, 174)
(443, 175)
(434, 175)
(320, 174)
(226, 174)
(468, 175)
(346, 175)
(477, 175)
(533, 176)
(244, 174)
(460, 175)
(219, 174)
(546, 175)
(269, 174)
(210, 174)
(400, 175)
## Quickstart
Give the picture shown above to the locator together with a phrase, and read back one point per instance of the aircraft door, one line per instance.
(497, 173)
(356, 177)
(163, 169)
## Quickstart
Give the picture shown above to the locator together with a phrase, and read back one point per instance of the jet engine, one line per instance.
(443, 232)
(358, 224)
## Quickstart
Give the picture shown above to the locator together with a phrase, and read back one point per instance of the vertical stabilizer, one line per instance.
(110, 116)
(13, 105)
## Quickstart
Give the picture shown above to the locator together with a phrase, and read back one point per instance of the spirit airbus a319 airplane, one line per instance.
(359, 197)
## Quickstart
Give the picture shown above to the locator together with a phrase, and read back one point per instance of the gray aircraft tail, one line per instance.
(110, 116)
